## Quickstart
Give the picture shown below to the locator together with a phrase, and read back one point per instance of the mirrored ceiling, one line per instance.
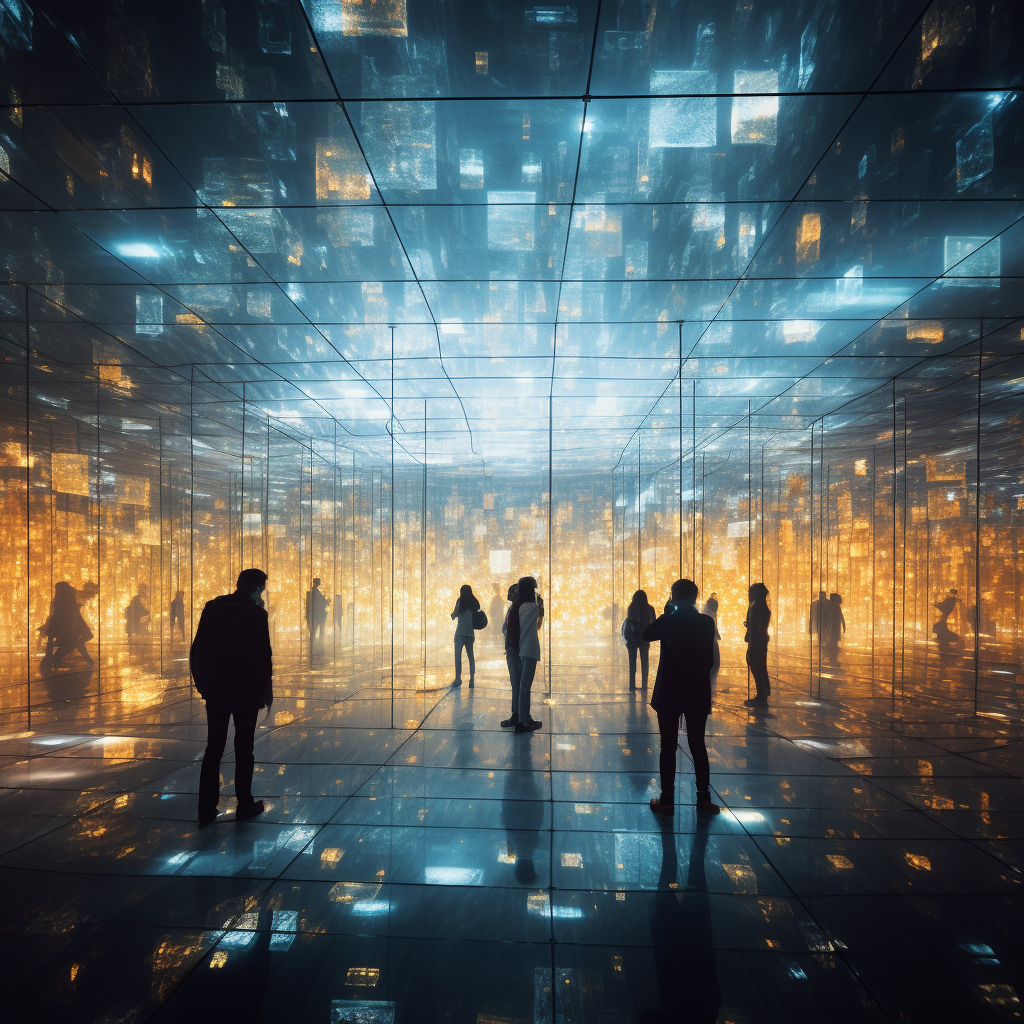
(484, 220)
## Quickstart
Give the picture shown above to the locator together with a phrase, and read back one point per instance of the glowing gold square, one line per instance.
(363, 977)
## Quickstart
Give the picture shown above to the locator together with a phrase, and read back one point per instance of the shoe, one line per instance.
(756, 702)
(207, 819)
(705, 805)
(662, 808)
(632, 687)
(456, 683)
(530, 726)
(471, 684)
(510, 723)
(244, 813)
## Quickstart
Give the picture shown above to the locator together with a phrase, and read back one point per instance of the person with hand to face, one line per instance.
(682, 688)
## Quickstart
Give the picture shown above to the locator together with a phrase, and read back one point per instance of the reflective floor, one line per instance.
(868, 866)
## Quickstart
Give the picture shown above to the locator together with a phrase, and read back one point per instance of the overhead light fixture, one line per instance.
(140, 251)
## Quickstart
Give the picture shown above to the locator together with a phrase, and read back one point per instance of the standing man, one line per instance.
(683, 687)
(232, 665)
(178, 613)
(316, 616)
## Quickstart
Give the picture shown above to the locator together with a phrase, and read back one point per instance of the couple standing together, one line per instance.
(522, 645)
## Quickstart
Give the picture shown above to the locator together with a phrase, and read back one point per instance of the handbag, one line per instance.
(479, 619)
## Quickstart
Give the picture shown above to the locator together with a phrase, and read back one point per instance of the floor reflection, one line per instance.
(867, 865)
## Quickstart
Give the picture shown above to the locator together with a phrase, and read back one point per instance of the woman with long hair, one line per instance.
(523, 620)
(463, 616)
(758, 617)
(639, 615)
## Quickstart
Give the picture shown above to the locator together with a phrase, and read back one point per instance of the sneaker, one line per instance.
(244, 813)
(510, 723)
(705, 805)
(530, 726)
(662, 808)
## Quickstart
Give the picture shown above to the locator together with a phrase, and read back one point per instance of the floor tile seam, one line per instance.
(379, 768)
(1003, 773)
(201, 959)
(49, 831)
(985, 846)
(800, 901)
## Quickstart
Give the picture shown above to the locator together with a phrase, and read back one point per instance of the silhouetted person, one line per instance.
(835, 624)
(524, 620)
(496, 612)
(639, 615)
(65, 629)
(945, 636)
(682, 941)
(136, 615)
(756, 636)
(462, 614)
(711, 610)
(683, 687)
(339, 613)
(178, 612)
(316, 614)
(515, 666)
(232, 665)
(819, 609)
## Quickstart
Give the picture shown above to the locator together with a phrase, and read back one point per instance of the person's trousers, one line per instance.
(645, 661)
(757, 659)
(529, 669)
(217, 716)
(515, 671)
(668, 726)
(467, 643)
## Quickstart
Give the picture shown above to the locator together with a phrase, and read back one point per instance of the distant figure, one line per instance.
(232, 665)
(819, 609)
(339, 613)
(178, 612)
(316, 614)
(639, 615)
(524, 619)
(834, 624)
(711, 610)
(462, 613)
(496, 612)
(65, 629)
(136, 615)
(515, 666)
(756, 636)
(945, 636)
(683, 687)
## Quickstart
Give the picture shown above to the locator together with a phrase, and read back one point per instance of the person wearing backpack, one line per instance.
(639, 616)
(465, 608)
(231, 662)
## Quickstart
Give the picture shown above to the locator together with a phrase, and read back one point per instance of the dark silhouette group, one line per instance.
(827, 622)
